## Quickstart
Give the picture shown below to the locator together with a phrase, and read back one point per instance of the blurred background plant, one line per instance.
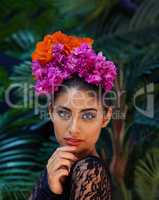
(127, 31)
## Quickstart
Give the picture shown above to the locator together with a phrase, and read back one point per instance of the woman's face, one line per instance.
(77, 115)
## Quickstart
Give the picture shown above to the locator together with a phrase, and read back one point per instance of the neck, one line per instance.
(95, 153)
(83, 154)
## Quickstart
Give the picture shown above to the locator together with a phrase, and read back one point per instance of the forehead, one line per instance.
(78, 99)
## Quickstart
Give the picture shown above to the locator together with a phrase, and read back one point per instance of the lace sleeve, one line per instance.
(41, 190)
(90, 180)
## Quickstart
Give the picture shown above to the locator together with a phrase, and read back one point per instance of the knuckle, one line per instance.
(48, 162)
(57, 150)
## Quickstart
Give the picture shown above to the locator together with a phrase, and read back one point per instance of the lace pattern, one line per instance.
(88, 180)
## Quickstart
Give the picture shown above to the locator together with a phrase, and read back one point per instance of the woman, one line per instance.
(68, 69)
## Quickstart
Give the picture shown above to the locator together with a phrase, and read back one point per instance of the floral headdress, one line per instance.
(58, 57)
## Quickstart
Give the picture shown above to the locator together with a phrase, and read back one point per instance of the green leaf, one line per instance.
(147, 175)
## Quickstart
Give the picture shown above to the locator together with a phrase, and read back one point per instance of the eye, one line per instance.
(64, 114)
(88, 116)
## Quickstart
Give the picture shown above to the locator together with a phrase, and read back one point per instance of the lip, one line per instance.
(73, 142)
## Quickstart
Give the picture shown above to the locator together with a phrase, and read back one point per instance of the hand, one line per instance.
(58, 167)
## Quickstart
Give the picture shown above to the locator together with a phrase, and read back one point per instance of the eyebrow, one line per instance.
(86, 109)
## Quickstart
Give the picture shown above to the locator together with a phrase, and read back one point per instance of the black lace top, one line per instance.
(88, 180)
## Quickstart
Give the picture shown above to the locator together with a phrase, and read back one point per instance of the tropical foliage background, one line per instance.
(128, 32)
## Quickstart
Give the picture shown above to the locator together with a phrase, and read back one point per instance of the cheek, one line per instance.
(92, 132)
(58, 129)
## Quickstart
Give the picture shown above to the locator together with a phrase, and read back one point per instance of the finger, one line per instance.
(68, 155)
(65, 156)
(62, 173)
(67, 148)
(52, 158)
(60, 162)
(63, 149)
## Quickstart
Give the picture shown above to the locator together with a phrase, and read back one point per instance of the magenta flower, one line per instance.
(94, 68)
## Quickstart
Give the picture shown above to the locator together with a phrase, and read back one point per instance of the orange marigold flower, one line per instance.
(43, 49)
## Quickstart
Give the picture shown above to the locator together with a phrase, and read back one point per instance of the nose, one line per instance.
(74, 127)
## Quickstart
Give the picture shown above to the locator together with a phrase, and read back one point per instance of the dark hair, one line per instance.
(80, 84)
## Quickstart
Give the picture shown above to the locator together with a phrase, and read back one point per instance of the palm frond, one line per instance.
(146, 15)
(22, 73)
(22, 157)
(19, 44)
(4, 83)
(16, 162)
(147, 176)
(19, 15)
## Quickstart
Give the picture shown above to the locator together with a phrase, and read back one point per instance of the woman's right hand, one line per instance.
(58, 167)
